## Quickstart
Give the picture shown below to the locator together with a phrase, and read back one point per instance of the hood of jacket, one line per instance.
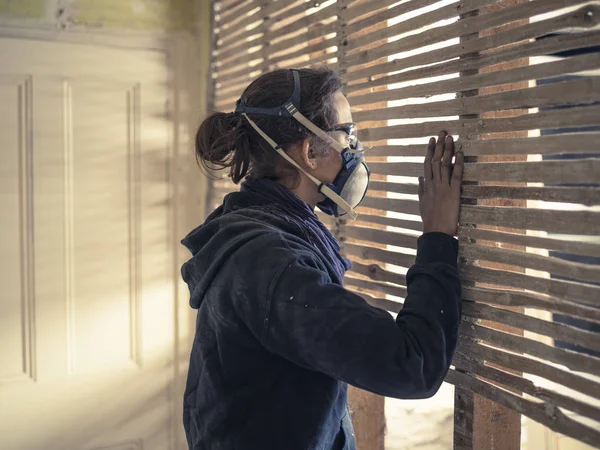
(240, 219)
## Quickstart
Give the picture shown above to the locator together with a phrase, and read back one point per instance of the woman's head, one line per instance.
(226, 140)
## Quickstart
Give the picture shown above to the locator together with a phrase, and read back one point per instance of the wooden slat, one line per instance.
(398, 291)
(552, 417)
(223, 65)
(529, 365)
(231, 41)
(304, 21)
(577, 117)
(319, 61)
(226, 105)
(584, 293)
(224, 5)
(555, 266)
(314, 32)
(579, 143)
(585, 17)
(239, 81)
(583, 195)
(513, 298)
(541, 145)
(391, 204)
(553, 221)
(380, 236)
(246, 58)
(390, 221)
(229, 22)
(383, 14)
(470, 234)
(396, 168)
(361, 8)
(230, 72)
(575, 92)
(513, 342)
(481, 80)
(553, 172)
(520, 384)
(400, 188)
(233, 8)
(556, 330)
(242, 46)
(305, 50)
(233, 91)
(377, 254)
(377, 273)
(380, 151)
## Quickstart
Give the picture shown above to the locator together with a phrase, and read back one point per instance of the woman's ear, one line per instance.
(306, 152)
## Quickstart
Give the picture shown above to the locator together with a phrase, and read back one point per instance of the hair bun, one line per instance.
(219, 135)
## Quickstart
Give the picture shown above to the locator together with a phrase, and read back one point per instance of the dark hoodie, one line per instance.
(278, 337)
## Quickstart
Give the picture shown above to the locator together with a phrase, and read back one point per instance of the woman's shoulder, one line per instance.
(275, 245)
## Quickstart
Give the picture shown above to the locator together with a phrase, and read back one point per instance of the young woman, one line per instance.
(278, 337)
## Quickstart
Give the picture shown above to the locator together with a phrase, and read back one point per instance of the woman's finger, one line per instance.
(447, 159)
(421, 186)
(436, 161)
(457, 171)
(427, 166)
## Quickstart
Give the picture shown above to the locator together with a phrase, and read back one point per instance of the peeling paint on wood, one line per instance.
(26, 9)
(126, 14)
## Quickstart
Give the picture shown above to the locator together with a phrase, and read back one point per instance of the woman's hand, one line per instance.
(439, 189)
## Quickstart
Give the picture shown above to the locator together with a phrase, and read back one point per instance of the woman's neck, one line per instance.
(304, 188)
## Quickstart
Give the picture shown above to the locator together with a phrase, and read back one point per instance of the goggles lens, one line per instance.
(352, 134)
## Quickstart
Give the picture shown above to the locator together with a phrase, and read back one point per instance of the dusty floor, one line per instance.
(421, 424)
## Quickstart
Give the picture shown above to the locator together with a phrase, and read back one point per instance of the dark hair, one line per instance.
(227, 140)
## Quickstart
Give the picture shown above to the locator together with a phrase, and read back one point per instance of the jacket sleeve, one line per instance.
(321, 326)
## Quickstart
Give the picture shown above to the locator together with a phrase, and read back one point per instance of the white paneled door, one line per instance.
(86, 276)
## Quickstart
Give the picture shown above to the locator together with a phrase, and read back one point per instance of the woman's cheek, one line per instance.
(335, 166)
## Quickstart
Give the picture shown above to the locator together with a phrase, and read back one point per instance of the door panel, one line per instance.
(15, 199)
(103, 259)
(87, 311)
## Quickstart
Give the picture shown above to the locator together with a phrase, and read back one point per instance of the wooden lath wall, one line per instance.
(408, 67)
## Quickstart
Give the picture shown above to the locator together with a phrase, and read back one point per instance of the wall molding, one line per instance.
(68, 219)
(135, 214)
(41, 30)
(24, 86)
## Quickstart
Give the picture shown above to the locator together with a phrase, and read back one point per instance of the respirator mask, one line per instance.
(352, 181)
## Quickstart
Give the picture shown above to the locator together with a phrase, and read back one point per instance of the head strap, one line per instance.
(290, 108)
(279, 111)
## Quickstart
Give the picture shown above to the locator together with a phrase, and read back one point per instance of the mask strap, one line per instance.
(289, 106)
(322, 187)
